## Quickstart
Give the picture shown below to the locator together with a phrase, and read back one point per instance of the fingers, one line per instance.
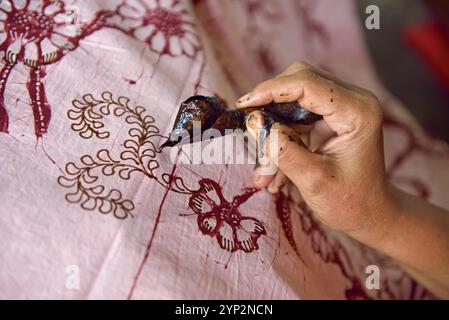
(273, 183)
(291, 156)
(284, 149)
(276, 184)
(262, 175)
(261, 179)
(343, 109)
(283, 89)
(291, 69)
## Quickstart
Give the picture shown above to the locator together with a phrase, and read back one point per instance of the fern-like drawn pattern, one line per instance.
(138, 155)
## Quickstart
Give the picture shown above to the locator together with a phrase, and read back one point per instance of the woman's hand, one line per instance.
(343, 180)
(341, 175)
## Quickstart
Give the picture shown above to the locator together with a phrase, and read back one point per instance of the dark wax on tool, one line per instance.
(211, 113)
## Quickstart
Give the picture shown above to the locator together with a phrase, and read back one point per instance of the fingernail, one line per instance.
(244, 99)
(254, 122)
(251, 121)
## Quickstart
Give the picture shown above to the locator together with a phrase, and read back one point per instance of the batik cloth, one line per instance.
(91, 208)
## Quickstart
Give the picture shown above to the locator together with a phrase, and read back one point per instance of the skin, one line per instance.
(341, 174)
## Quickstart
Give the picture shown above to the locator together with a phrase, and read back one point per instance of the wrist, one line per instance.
(382, 218)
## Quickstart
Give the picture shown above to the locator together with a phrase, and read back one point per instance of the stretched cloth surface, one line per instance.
(91, 208)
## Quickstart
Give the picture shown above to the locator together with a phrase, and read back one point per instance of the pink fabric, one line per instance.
(83, 183)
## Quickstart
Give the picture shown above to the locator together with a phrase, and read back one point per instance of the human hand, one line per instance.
(341, 176)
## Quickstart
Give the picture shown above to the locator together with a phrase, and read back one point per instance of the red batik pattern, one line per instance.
(38, 33)
(222, 220)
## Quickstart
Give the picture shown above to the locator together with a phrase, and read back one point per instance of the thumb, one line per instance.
(291, 156)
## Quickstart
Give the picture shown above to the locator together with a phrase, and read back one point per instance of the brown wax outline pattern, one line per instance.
(138, 155)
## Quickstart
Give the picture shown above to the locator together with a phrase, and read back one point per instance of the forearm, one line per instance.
(414, 233)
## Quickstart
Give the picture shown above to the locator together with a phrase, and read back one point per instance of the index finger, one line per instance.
(343, 109)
